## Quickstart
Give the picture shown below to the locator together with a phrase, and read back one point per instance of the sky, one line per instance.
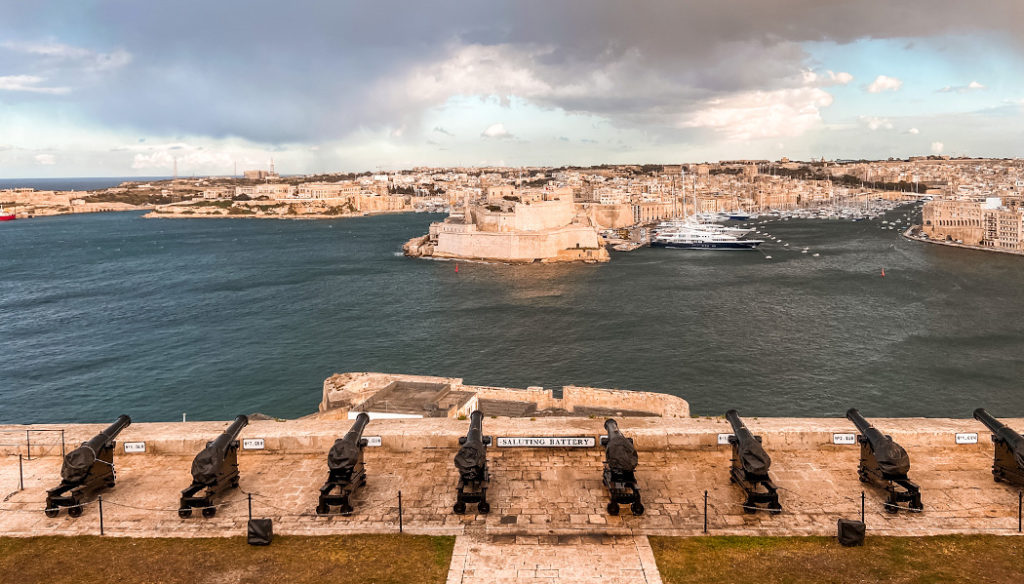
(128, 87)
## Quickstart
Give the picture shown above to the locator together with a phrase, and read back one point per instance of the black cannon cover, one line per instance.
(470, 460)
(754, 458)
(77, 464)
(344, 455)
(620, 453)
(892, 458)
(206, 465)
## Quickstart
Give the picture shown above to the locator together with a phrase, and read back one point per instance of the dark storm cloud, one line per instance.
(293, 72)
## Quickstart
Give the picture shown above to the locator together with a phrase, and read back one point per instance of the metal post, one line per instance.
(705, 511)
(250, 506)
(62, 442)
(400, 527)
(28, 445)
(862, 506)
(1020, 509)
(101, 514)
(21, 475)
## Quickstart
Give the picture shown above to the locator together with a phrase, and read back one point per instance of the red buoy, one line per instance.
(883, 272)
(457, 269)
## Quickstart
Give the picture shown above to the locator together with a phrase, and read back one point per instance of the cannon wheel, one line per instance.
(51, 512)
(891, 508)
(613, 508)
(209, 512)
(483, 507)
(185, 512)
(775, 507)
(749, 508)
(459, 508)
(323, 509)
(916, 507)
(637, 508)
(75, 511)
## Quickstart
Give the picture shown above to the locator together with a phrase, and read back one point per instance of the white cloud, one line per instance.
(874, 123)
(189, 158)
(826, 78)
(762, 114)
(972, 86)
(46, 159)
(28, 83)
(937, 147)
(85, 59)
(884, 83)
(496, 131)
(914, 131)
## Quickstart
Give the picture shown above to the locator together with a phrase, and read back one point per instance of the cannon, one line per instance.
(885, 464)
(620, 462)
(85, 471)
(750, 464)
(346, 472)
(1008, 459)
(214, 470)
(471, 462)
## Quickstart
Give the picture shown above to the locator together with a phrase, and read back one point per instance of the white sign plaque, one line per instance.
(252, 444)
(844, 439)
(130, 447)
(724, 438)
(373, 440)
(967, 438)
(547, 442)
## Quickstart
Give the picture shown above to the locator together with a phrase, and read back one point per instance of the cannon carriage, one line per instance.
(619, 476)
(85, 471)
(471, 462)
(750, 465)
(1008, 456)
(885, 464)
(346, 471)
(214, 470)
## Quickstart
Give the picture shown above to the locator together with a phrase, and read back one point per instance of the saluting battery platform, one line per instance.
(750, 464)
(885, 464)
(347, 473)
(85, 471)
(214, 470)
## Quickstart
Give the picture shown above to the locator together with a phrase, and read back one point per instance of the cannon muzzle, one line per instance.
(346, 452)
(752, 455)
(207, 464)
(1013, 440)
(471, 460)
(892, 458)
(79, 461)
(619, 452)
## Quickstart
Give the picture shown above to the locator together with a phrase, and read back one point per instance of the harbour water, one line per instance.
(103, 314)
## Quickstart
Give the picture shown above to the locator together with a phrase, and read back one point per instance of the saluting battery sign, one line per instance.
(547, 442)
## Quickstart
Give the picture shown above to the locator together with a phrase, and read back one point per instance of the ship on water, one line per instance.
(695, 237)
(7, 215)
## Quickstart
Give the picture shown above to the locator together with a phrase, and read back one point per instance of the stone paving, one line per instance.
(545, 559)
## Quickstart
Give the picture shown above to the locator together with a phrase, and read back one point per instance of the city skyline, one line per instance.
(120, 89)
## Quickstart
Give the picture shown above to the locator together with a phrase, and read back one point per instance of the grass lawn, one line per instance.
(798, 560)
(399, 559)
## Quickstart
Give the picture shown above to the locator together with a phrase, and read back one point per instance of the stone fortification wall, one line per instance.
(525, 246)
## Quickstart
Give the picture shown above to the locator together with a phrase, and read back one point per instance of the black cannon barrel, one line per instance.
(78, 462)
(619, 452)
(471, 460)
(344, 455)
(752, 455)
(97, 441)
(1014, 440)
(892, 458)
(207, 463)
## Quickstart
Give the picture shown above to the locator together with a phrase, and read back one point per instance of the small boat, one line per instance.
(7, 215)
